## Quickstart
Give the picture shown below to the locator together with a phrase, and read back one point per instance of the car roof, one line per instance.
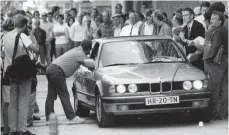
(126, 38)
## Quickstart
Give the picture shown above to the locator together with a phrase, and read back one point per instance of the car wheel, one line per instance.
(79, 109)
(103, 119)
(201, 115)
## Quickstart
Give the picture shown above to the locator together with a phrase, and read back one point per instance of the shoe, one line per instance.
(29, 124)
(77, 120)
(36, 118)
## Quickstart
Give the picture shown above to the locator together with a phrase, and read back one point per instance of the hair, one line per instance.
(191, 12)
(86, 45)
(74, 9)
(69, 18)
(221, 16)
(141, 16)
(20, 22)
(22, 12)
(218, 6)
(96, 10)
(205, 4)
(27, 12)
(146, 5)
(118, 5)
(49, 13)
(35, 12)
(164, 14)
(158, 15)
(60, 16)
(55, 8)
(123, 18)
(149, 12)
(8, 24)
(99, 18)
(179, 20)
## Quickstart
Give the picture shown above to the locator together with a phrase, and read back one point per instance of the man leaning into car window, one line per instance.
(57, 72)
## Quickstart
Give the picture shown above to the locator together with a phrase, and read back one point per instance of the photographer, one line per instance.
(20, 90)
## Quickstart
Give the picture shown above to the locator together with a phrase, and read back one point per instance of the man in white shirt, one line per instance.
(73, 13)
(117, 24)
(132, 28)
(203, 7)
(76, 31)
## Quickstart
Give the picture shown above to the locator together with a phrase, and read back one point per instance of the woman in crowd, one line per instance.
(218, 69)
(70, 21)
(177, 28)
(88, 33)
(149, 27)
(165, 29)
(66, 16)
(60, 32)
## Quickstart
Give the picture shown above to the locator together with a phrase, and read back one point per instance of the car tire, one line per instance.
(103, 119)
(202, 115)
(79, 109)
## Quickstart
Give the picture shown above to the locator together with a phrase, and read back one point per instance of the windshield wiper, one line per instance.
(118, 64)
(163, 62)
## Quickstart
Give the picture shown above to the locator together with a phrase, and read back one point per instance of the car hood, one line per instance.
(153, 72)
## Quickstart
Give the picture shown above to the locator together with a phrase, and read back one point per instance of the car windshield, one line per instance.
(140, 52)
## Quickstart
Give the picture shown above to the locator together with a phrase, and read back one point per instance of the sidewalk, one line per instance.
(40, 127)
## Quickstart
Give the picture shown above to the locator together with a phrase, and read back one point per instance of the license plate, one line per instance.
(162, 100)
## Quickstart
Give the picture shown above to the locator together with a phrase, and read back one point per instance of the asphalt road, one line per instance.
(166, 124)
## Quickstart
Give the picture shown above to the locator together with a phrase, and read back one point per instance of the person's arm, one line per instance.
(216, 43)
(30, 42)
(67, 33)
(168, 31)
(98, 32)
(72, 32)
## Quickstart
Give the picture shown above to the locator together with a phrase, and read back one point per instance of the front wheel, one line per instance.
(103, 119)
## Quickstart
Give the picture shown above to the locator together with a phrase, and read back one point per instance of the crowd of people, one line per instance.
(65, 36)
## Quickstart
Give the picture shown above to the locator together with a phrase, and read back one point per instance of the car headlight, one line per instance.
(187, 85)
(132, 88)
(112, 89)
(198, 84)
(121, 88)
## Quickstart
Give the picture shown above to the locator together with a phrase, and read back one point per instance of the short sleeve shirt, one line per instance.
(9, 41)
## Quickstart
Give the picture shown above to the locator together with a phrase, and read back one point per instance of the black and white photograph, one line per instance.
(114, 67)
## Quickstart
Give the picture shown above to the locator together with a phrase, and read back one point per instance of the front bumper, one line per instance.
(136, 104)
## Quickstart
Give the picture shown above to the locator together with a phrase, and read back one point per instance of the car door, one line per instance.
(88, 77)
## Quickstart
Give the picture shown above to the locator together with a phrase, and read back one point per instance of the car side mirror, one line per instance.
(89, 63)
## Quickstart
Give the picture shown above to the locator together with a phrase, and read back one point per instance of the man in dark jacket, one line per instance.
(192, 30)
(40, 36)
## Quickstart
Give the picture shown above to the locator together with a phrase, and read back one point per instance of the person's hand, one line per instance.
(181, 35)
(32, 32)
(209, 61)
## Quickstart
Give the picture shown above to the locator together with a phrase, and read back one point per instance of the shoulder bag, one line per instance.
(22, 68)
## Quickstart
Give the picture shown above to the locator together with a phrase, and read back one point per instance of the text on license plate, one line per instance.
(162, 100)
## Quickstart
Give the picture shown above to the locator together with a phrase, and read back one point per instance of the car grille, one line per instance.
(160, 87)
(143, 106)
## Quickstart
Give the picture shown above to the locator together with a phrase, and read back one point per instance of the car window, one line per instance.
(140, 52)
(94, 51)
